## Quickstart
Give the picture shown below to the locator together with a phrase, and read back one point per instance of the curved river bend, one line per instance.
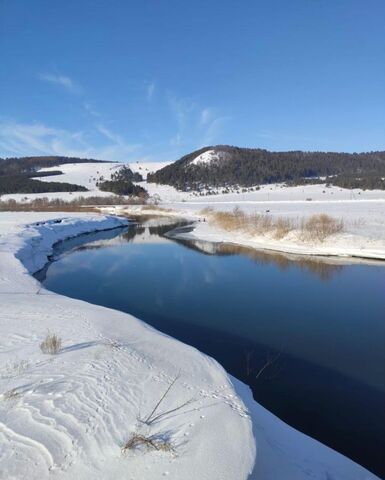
(307, 335)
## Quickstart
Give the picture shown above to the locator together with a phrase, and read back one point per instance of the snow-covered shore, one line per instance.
(362, 211)
(363, 234)
(69, 415)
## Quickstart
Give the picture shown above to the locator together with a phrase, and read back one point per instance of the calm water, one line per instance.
(322, 325)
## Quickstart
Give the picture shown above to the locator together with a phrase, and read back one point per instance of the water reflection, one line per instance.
(317, 323)
(323, 268)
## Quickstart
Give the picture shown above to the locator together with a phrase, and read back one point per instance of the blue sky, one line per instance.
(153, 80)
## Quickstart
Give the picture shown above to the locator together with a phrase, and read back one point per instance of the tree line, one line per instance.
(247, 167)
(121, 183)
(16, 174)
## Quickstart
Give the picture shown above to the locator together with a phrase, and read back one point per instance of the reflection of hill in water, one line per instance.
(163, 230)
(323, 268)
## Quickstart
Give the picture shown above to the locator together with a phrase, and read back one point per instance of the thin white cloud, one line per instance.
(91, 110)
(214, 129)
(206, 115)
(150, 90)
(197, 126)
(62, 80)
(17, 139)
(184, 111)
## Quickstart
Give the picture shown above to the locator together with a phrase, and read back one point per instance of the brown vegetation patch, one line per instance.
(83, 204)
(138, 440)
(315, 228)
(318, 227)
(51, 344)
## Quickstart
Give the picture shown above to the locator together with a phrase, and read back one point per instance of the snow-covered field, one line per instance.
(363, 212)
(67, 415)
(363, 233)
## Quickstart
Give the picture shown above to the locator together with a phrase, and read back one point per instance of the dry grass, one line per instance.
(14, 368)
(156, 208)
(254, 224)
(44, 204)
(207, 211)
(319, 227)
(138, 440)
(51, 344)
(283, 226)
(11, 394)
(315, 228)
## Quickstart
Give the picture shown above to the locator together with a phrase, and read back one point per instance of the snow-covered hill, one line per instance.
(210, 156)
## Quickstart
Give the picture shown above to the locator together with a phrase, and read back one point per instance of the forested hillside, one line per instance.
(14, 165)
(16, 173)
(121, 183)
(227, 166)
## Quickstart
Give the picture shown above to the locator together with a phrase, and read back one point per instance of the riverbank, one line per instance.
(362, 234)
(71, 413)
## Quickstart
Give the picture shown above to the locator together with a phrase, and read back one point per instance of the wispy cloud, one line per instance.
(150, 90)
(197, 126)
(22, 139)
(288, 137)
(206, 115)
(184, 111)
(61, 80)
(91, 110)
(214, 129)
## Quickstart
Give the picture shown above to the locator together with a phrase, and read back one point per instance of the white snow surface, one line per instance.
(69, 415)
(85, 174)
(363, 235)
(66, 416)
(208, 157)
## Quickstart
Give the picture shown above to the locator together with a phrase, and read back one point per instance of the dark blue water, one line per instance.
(318, 327)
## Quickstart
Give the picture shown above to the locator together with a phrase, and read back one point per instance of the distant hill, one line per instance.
(225, 167)
(16, 173)
(17, 165)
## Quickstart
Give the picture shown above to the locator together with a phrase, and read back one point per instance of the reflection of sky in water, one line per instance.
(333, 320)
(326, 318)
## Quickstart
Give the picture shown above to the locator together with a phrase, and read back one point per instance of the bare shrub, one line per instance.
(266, 222)
(282, 227)
(319, 227)
(316, 227)
(226, 220)
(207, 211)
(51, 344)
(254, 223)
(14, 368)
(154, 442)
(11, 394)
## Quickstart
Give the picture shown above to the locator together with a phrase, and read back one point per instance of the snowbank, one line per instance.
(363, 234)
(69, 415)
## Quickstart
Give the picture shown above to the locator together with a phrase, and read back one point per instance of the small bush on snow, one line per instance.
(51, 344)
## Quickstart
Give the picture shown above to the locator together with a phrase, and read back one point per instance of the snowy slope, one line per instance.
(208, 157)
(85, 174)
(68, 415)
